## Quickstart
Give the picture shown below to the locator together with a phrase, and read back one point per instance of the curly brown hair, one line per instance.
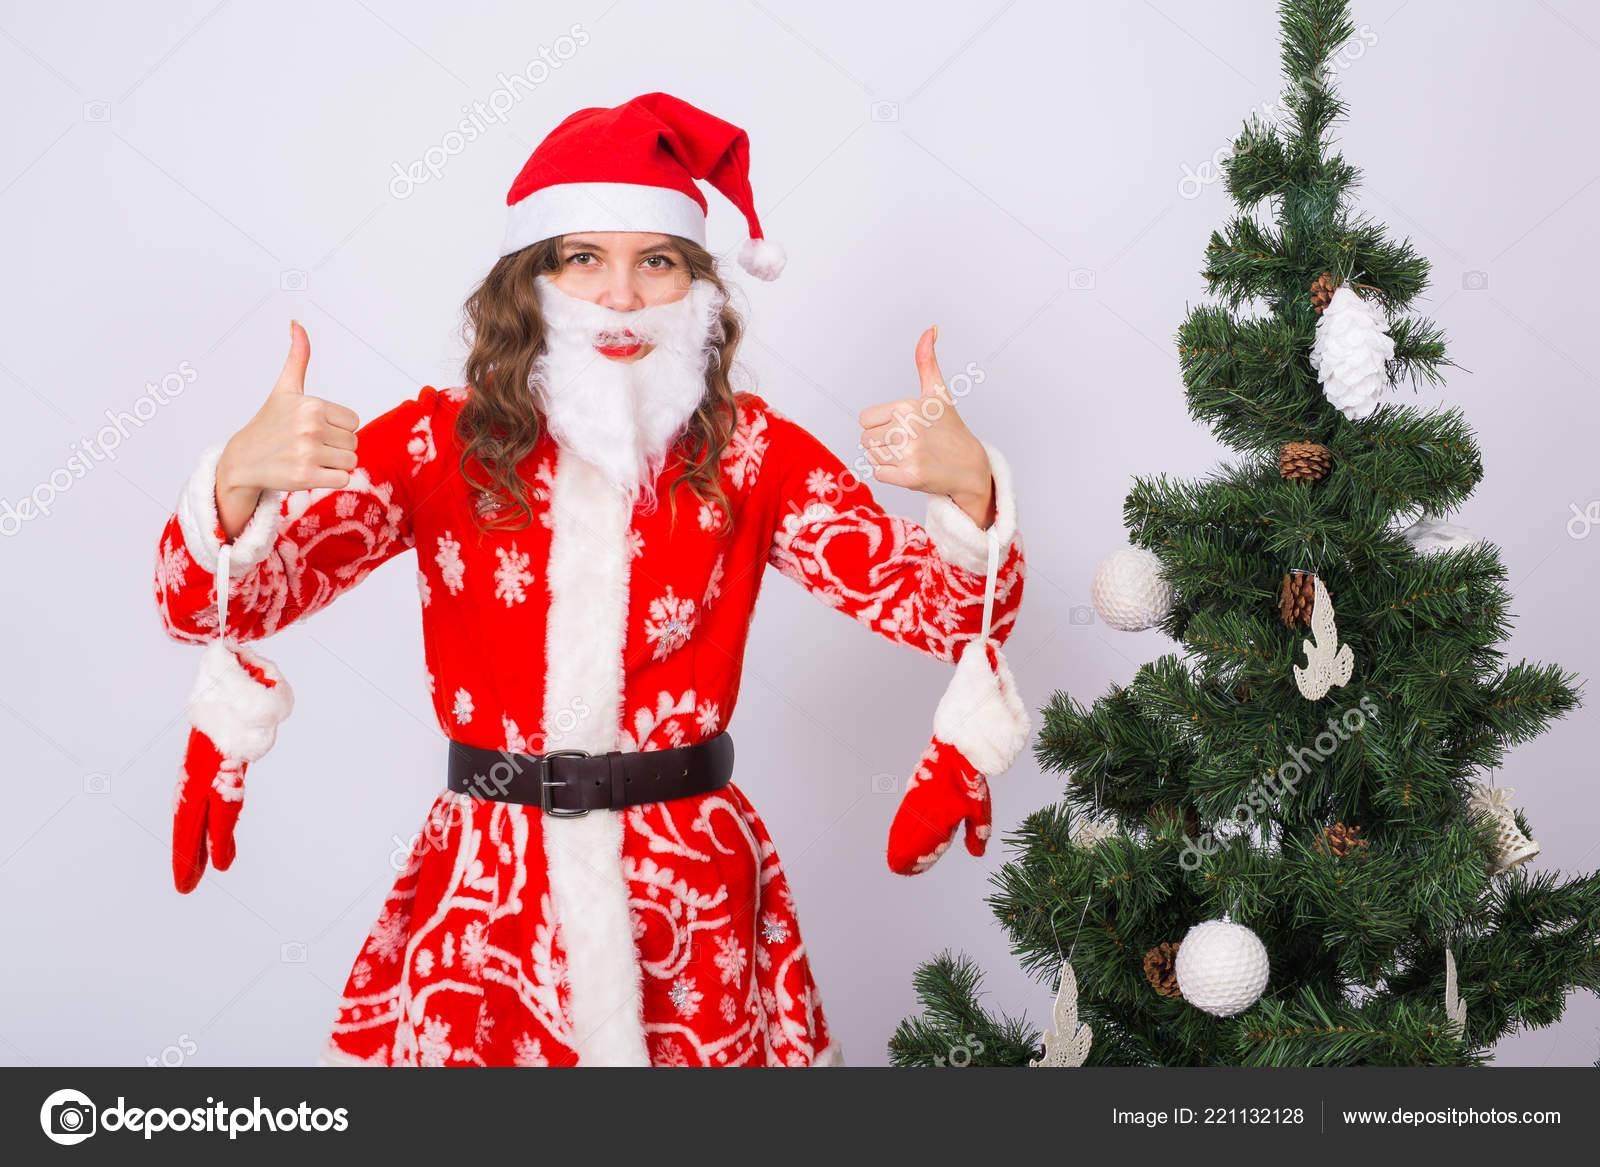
(500, 423)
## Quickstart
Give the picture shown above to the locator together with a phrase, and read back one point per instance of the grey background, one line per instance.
(1009, 170)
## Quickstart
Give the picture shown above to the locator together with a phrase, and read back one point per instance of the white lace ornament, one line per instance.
(1093, 831)
(1454, 1007)
(1328, 664)
(1068, 1045)
(1511, 847)
(1351, 353)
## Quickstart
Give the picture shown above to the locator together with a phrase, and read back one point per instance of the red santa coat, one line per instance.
(657, 935)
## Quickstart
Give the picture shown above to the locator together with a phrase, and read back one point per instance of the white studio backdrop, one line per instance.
(178, 179)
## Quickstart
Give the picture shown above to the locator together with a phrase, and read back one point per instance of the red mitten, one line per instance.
(234, 710)
(978, 730)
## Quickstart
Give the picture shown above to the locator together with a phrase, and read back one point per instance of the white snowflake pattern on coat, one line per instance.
(731, 960)
(745, 450)
(511, 577)
(172, 563)
(420, 447)
(670, 624)
(515, 742)
(527, 1052)
(452, 569)
(713, 583)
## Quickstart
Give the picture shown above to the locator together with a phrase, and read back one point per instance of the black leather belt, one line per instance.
(571, 783)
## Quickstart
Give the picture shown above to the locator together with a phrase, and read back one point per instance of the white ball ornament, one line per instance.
(1128, 591)
(1221, 967)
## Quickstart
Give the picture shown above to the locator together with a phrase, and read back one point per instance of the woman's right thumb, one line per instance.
(293, 377)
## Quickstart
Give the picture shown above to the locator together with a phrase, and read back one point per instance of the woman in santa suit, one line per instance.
(591, 514)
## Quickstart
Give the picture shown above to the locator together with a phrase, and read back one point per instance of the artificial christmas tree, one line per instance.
(1350, 899)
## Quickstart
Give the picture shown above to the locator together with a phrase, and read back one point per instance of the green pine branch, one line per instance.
(1226, 789)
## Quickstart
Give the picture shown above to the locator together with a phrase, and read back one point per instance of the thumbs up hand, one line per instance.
(294, 442)
(921, 443)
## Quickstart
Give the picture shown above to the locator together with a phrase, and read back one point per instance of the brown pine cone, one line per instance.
(1322, 289)
(1161, 969)
(1339, 840)
(1299, 592)
(1167, 810)
(1304, 462)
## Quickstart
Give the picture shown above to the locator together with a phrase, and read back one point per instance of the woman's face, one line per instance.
(624, 270)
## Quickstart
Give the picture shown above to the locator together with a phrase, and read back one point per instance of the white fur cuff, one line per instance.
(237, 712)
(981, 713)
(957, 538)
(197, 518)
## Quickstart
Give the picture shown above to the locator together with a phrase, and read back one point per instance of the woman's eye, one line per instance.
(580, 255)
(659, 262)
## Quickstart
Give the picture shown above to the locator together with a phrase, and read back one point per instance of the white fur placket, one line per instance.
(587, 580)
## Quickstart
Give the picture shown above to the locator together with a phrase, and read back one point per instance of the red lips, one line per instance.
(625, 349)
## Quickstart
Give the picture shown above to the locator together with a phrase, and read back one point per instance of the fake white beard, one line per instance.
(623, 417)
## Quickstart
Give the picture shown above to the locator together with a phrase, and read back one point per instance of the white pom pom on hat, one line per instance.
(634, 167)
(763, 258)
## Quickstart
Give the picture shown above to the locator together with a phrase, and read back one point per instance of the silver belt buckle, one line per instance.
(545, 784)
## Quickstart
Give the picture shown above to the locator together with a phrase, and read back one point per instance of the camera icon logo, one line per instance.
(292, 280)
(885, 784)
(885, 111)
(68, 1117)
(97, 111)
(1474, 281)
(1081, 279)
(292, 952)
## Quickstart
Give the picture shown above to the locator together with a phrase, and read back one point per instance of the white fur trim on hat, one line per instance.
(981, 713)
(197, 519)
(763, 258)
(570, 207)
(238, 713)
(961, 541)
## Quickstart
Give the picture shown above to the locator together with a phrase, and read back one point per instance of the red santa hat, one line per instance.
(633, 167)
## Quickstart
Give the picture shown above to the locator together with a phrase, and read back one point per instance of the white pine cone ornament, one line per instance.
(1221, 967)
(1351, 354)
(1128, 591)
(1511, 847)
